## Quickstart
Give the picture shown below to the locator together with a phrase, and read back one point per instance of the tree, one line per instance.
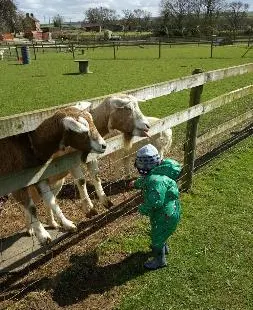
(236, 14)
(8, 15)
(128, 19)
(175, 13)
(136, 18)
(212, 10)
(101, 15)
(142, 18)
(58, 21)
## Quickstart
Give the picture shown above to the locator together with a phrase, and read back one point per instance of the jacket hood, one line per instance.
(169, 167)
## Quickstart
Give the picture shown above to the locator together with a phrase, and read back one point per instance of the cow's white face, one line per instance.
(81, 133)
(127, 117)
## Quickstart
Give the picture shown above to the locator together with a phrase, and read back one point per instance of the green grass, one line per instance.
(210, 265)
(52, 79)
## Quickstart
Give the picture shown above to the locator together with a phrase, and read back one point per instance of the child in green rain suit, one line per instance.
(161, 199)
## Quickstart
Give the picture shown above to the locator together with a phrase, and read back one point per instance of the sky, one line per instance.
(73, 10)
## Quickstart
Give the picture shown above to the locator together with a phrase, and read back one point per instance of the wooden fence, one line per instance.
(26, 122)
(74, 46)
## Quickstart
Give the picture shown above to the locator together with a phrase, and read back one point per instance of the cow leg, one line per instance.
(55, 188)
(49, 200)
(80, 181)
(94, 172)
(32, 222)
(126, 163)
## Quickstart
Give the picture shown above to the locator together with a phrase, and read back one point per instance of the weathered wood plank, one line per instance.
(25, 122)
(191, 138)
(14, 181)
(18, 180)
(225, 126)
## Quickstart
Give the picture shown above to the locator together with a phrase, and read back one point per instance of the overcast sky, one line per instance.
(73, 10)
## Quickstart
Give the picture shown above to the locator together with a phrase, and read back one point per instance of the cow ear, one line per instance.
(120, 103)
(79, 126)
(135, 99)
(82, 105)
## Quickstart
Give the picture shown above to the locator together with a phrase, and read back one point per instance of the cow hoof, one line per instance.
(44, 238)
(108, 204)
(69, 226)
(53, 224)
(30, 232)
(91, 213)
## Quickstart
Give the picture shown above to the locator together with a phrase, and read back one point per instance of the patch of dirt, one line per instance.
(75, 274)
(79, 277)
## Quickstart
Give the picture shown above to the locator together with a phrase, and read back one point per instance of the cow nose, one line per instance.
(147, 125)
(103, 146)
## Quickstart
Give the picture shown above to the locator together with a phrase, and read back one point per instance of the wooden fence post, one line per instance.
(191, 137)
(114, 51)
(159, 49)
(16, 49)
(34, 52)
(73, 50)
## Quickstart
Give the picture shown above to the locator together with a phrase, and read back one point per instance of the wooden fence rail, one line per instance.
(30, 176)
(25, 122)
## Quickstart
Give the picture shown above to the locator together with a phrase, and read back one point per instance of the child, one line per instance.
(161, 203)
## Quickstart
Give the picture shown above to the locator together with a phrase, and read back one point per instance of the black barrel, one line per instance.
(25, 54)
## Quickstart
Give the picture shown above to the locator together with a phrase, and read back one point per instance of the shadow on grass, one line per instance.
(224, 146)
(73, 73)
(85, 277)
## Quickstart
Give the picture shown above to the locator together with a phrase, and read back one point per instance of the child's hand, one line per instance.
(131, 184)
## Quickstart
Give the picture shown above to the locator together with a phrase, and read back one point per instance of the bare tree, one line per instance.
(137, 18)
(236, 14)
(101, 15)
(8, 15)
(212, 10)
(142, 18)
(58, 21)
(175, 13)
(128, 19)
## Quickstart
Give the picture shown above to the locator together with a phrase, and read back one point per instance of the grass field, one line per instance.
(53, 78)
(209, 266)
(210, 263)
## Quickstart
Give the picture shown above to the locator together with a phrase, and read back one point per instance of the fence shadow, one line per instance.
(85, 277)
(85, 229)
(70, 191)
(224, 146)
(8, 241)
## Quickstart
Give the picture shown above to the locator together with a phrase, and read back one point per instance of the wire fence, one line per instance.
(78, 48)
(19, 252)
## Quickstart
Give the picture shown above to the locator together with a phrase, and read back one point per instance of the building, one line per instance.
(91, 27)
(31, 23)
(32, 28)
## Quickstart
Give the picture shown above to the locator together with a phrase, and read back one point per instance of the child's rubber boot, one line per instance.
(158, 261)
(166, 248)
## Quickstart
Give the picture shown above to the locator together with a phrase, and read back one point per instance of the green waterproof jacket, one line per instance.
(159, 187)
(161, 199)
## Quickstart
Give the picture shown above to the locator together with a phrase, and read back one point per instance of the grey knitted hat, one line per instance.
(147, 157)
